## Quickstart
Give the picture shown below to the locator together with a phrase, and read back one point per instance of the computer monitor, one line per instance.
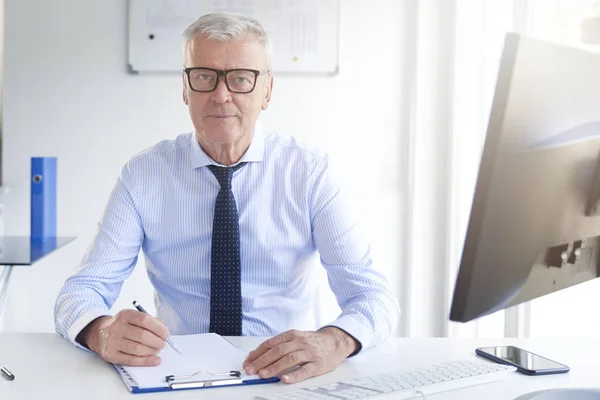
(534, 226)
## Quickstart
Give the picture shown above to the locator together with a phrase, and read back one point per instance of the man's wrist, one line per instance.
(346, 342)
(85, 337)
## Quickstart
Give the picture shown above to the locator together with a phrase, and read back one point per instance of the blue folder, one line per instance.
(43, 198)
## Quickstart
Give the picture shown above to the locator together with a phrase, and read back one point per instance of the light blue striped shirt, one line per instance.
(289, 208)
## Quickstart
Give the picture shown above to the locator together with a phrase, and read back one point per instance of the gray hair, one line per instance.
(225, 27)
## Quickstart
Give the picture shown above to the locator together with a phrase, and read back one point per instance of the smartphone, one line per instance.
(525, 361)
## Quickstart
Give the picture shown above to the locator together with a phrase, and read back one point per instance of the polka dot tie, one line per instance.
(225, 286)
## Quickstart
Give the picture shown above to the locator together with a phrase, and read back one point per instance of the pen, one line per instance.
(140, 308)
(7, 374)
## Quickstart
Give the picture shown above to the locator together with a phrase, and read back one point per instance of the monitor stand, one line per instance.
(563, 394)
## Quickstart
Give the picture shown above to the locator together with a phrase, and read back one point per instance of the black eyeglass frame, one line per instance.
(223, 73)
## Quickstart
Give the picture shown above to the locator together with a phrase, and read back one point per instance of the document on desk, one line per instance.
(206, 360)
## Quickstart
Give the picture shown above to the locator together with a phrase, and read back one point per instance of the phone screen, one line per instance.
(522, 358)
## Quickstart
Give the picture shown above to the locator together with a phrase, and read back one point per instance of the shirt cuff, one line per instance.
(362, 334)
(82, 322)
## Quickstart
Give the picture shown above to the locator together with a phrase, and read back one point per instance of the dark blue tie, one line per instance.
(225, 285)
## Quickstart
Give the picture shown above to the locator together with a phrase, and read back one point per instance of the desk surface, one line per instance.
(47, 366)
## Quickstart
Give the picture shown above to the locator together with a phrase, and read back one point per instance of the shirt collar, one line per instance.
(255, 151)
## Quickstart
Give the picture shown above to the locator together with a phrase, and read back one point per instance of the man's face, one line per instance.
(220, 116)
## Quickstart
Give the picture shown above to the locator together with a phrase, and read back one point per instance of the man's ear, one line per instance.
(185, 90)
(267, 98)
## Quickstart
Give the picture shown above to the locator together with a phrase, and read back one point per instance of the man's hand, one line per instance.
(129, 338)
(315, 352)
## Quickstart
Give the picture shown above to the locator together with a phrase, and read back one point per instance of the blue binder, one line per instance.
(43, 198)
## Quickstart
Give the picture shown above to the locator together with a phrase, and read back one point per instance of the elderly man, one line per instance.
(226, 217)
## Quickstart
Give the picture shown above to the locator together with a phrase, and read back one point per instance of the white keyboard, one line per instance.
(403, 385)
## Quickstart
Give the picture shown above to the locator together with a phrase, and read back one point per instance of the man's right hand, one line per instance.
(129, 338)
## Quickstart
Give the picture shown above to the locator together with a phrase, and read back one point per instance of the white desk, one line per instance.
(22, 251)
(47, 366)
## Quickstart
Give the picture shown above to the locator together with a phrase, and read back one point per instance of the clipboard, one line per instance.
(202, 364)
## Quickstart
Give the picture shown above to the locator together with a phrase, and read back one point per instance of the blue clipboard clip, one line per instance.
(184, 382)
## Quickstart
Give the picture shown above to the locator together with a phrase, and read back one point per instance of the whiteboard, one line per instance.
(304, 34)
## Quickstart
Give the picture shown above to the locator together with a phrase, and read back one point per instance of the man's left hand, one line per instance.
(315, 352)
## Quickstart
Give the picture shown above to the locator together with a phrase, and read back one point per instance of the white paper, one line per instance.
(205, 352)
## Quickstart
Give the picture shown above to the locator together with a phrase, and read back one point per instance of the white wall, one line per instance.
(67, 93)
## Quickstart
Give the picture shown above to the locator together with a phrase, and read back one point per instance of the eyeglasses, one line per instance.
(236, 80)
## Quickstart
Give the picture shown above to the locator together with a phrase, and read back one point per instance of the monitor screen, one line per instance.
(534, 226)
